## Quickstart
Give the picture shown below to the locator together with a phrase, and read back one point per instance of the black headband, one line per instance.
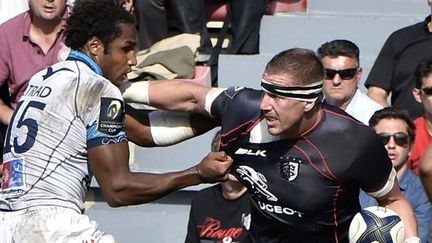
(307, 92)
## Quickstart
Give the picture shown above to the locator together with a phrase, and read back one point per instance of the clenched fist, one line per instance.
(214, 167)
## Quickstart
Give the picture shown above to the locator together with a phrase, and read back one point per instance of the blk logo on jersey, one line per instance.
(252, 152)
(289, 168)
(111, 116)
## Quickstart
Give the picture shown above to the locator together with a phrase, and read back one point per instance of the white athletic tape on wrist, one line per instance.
(136, 92)
(211, 96)
(413, 239)
(168, 128)
(387, 187)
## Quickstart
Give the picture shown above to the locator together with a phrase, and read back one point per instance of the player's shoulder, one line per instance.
(338, 120)
(93, 82)
(242, 96)
(337, 115)
(234, 91)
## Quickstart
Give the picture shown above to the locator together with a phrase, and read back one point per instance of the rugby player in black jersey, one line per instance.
(303, 161)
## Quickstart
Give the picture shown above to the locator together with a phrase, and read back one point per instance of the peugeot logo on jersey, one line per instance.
(289, 167)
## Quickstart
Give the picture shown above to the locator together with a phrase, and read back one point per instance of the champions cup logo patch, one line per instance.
(111, 116)
(113, 109)
(289, 168)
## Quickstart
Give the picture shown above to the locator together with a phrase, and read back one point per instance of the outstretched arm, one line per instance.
(148, 128)
(121, 187)
(174, 95)
(395, 201)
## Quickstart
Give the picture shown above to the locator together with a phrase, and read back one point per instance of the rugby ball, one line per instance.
(376, 224)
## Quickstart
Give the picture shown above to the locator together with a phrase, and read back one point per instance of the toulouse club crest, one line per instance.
(289, 167)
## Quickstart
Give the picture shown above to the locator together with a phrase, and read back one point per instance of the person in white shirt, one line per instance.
(343, 73)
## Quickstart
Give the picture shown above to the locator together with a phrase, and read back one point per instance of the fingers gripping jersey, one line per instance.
(303, 190)
(65, 110)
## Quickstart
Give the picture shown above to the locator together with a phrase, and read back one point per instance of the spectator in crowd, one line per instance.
(397, 132)
(220, 213)
(423, 95)
(245, 17)
(279, 140)
(343, 73)
(29, 42)
(393, 70)
(69, 126)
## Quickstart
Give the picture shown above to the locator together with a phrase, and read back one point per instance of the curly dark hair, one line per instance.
(99, 18)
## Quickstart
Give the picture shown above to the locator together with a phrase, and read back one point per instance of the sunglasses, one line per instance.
(426, 90)
(344, 74)
(400, 138)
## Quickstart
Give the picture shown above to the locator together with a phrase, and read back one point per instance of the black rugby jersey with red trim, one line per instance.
(302, 190)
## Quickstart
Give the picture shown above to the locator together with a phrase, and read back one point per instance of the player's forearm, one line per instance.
(403, 208)
(164, 128)
(176, 95)
(146, 187)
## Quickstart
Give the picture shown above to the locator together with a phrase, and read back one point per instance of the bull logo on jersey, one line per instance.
(289, 168)
(257, 181)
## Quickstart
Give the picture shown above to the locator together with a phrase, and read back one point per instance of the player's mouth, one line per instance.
(271, 120)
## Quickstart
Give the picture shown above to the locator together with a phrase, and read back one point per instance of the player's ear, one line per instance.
(309, 105)
(94, 46)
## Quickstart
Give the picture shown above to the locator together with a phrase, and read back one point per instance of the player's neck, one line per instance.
(311, 120)
(306, 124)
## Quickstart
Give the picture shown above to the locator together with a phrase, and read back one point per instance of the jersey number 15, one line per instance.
(31, 124)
